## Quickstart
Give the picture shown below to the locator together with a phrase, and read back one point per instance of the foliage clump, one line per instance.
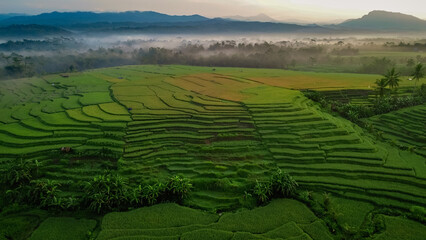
(109, 192)
(281, 184)
(104, 193)
(382, 105)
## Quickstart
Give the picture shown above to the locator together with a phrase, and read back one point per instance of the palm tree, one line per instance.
(381, 86)
(418, 74)
(392, 78)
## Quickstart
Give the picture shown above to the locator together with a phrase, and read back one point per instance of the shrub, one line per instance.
(314, 95)
(305, 196)
(262, 191)
(20, 174)
(280, 184)
(418, 213)
(135, 197)
(178, 188)
(152, 194)
(383, 105)
(283, 184)
(105, 192)
(175, 190)
(354, 112)
(44, 193)
(388, 104)
(327, 201)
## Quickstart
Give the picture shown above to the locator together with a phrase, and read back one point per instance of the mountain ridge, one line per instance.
(32, 30)
(70, 18)
(385, 21)
(257, 18)
(154, 22)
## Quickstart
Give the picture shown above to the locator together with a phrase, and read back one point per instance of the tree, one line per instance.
(16, 67)
(410, 62)
(392, 78)
(418, 74)
(381, 85)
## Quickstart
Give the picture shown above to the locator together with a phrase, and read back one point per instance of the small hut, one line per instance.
(66, 149)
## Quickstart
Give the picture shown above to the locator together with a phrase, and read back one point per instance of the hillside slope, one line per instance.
(223, 129)
(382, 20)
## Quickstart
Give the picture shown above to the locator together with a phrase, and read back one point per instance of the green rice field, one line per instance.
(223, 129)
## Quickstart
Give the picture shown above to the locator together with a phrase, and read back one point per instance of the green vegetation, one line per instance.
(403, 128)
(64, 228)
(217, 142)
(281, 218)
(316, 54)
(110, 192)
(281, 184)
(399, 228)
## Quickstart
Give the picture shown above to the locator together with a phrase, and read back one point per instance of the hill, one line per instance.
(216, 26)
(9, 15)
(386, 21)
(71, 18)
(258, 18)
(153, 22)
(225, 129)
(31, 30)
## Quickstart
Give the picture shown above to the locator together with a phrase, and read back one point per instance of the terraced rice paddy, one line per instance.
(43, 115)
(405, 127)
(269, 222)
(223, 129)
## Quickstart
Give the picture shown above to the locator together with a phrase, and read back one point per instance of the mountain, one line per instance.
(386, 21)
(31, 31)
(9, 15)
(212, 26)
(71, 18)
(258, 18)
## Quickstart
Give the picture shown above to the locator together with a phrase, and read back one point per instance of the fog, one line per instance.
(81, 43)
(22, 58)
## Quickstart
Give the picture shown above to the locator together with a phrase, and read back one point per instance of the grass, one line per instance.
(399, 228)
(96, 112)
(287, 230)
(93, 98)
(280, 219)
(113, 108)
(77, 114)
(351, 213)
(19, 225)
(158, 216)
(276, 214)
(63, 228)
(402, 127)
(207, 234)
(19, 130)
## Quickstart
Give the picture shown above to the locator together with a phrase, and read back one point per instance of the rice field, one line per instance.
(222, 128)
(405, 128)
(54, 112)
(270, 222)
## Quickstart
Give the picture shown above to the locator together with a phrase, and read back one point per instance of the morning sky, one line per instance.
(286, 10)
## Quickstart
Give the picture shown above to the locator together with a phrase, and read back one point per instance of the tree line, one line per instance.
(282, 55)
